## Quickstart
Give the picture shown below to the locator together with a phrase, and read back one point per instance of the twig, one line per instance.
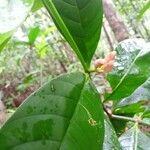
(130, 119)
(118, 117)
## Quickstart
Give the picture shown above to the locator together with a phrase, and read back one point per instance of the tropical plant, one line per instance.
(69, 113)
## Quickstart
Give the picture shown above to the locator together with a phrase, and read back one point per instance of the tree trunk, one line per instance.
(116, 24)
(108, 38)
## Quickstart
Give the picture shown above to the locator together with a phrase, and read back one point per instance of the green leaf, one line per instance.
(119, 125)
(4, 38)
(33, 34)
(38, 4)
(134, 139)
(131, 68)
(137, 101)
(26, 82)
(111, 140)
(146, 112)
(66, 113)
(143, 10)
(12, 14)
(80, 23)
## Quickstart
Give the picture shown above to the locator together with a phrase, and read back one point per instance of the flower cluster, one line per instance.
(105, 65)
(102, 67)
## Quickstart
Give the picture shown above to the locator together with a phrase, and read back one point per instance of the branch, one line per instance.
(135, 120)
(118, 117)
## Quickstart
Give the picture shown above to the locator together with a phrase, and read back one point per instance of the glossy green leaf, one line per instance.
(137, 101)
(65, 113)
(119, 125)
(33, 34)
(12, 14)
(111, 140)
(131, 68)
(134, 139)
(80, 22)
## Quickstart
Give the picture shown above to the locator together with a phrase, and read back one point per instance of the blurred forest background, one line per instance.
(37, 52)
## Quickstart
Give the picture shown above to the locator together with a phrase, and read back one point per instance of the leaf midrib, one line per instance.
(76, 48)
(124, 76)
(73, 113)
(135, 136)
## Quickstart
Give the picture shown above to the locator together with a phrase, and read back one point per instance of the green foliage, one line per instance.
(137, 102)
(37, 5)
(119, 125)
(42, 46)
(143, 10)
(80, 28)
(26, 82)
(67, 112)
(111, 139)
(4, 38)
(134, 139)
(64, 114)
(131, 68)
(33, 34)
(8, 23)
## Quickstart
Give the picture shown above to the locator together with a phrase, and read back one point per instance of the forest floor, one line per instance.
(10, 99)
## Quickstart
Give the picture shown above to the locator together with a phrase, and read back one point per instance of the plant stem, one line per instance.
(118, 117)
(92, 70)
(138, 121)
